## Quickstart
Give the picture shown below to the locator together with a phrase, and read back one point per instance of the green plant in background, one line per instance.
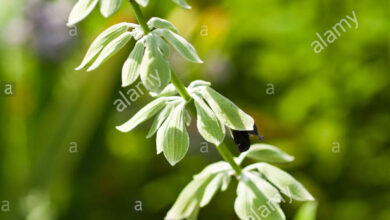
(260, 184)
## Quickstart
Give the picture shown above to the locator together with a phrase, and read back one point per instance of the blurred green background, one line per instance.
(62, 158)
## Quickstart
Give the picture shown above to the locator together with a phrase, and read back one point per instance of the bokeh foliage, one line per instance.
(338, 98)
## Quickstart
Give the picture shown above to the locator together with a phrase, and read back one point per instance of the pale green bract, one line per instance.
(111, 48)
(227, 112)
(156, 22)
(254, 200)
(209, 126)
(103, 40)
(199, 192)
(144, 114)
(180, 44)
(130, 69)
(83, 8)
(287, 184)
(268, 153)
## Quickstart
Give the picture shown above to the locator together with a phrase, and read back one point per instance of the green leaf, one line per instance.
(102, 40)
(189, 199)
(195, 85)
(175, 137)
(253, 203)
(159, 120)
(180, 44)
(109, 7)
(211, 189)
(163, 47)
(307, 211)
(111, 48)
(156, 22)
(268, 153)
(144, 114)
(285, 182)
(209, 126)
(200, 191)
(81, 10)
(227, 111)
(130, 69)
(155, 71)
(182, 3)
(143, 3)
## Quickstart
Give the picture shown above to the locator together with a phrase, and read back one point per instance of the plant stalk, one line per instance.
(222, 148)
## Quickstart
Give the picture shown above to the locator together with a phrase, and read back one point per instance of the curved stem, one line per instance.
(222, 148)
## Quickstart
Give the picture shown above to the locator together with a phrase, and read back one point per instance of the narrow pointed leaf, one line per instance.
(180, 44)
(101, 41)
(109, 7)
(211, 189)
(144, 114)
(227, 111)
(81, 10)
(130, 69)
(194, 85)
(268, 153)
(156, 22)
(187, 118)
(154, 71)
(208, 124)
(111, 48)
(287, 184)
(189, 199)
(176, 140)
(159, 120)
(182, 3)
(252, 203)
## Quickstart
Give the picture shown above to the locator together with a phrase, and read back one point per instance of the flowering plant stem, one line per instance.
(222, 148)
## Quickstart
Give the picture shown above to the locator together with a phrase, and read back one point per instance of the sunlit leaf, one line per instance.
(156, 22)
(268, 153)
(209, 126)
(130, 69)
(227, 111)
(111, 48)
(175, 137)
(211, 189)
(180, 44)
(81, 10)
(102, 40)
(253, 203)
(159, 120)
(144, 114)
(155, 71)
(109, 7)
(285, 182)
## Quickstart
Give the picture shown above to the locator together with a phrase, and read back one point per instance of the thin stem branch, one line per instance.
(222, 148)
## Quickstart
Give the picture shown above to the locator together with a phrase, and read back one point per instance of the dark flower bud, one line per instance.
(241, 138)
